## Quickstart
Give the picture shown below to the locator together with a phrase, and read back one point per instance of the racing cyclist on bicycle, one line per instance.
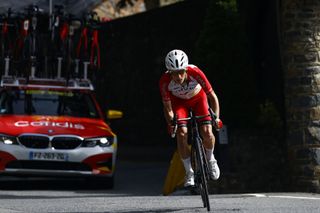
(183, 87)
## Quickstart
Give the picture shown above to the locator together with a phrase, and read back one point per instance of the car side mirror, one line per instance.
(114, 114)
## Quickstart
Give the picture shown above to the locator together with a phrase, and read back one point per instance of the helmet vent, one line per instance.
(177, 63)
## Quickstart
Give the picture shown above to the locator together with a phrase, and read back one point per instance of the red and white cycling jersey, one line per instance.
(196, 80)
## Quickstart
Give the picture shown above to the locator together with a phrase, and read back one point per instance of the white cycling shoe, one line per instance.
(214, 169)
(189, 179)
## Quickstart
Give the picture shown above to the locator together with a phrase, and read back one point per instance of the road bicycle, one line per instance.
(54, 48)
(26, 50)
(198, 157)
(88, 47)
(32, 40)
(6, 41)
(62, 32)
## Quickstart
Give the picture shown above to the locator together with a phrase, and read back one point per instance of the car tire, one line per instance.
(100, 182)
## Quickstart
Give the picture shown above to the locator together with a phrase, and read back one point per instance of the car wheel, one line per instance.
(100, 182)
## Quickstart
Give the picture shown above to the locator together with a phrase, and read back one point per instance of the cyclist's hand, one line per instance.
(218, 123)
(172, 130)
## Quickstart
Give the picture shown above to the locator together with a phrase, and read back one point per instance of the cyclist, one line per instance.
(183, 87)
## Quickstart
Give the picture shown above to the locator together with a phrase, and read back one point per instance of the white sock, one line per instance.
(209, 154)
(187, 165)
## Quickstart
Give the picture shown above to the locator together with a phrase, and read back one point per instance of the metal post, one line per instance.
(50, 15)
(6, 67)
(33, 66)
(59, 67)
(85, 70)
(77, 67)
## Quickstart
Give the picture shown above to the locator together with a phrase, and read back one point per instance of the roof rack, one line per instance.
(10, 81)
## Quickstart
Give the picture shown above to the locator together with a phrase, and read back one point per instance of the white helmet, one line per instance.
(176, 60)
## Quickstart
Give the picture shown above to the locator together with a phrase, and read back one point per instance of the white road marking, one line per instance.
(296, 197)
(257, 195)
(284, 196)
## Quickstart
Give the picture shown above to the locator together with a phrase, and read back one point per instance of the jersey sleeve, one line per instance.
(196, 73)
(163, 85)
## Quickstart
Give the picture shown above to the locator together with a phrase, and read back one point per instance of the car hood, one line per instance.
(15, 125)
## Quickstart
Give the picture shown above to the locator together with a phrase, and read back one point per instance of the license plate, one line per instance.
(48, 156)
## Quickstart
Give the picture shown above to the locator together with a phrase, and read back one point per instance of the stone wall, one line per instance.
(300, 25)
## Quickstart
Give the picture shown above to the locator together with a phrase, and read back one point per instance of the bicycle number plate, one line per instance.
(48, 156)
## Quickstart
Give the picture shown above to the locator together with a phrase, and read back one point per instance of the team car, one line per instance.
(52, 128)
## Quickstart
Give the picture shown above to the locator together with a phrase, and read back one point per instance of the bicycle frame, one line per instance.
(198, 157)
(199, 162)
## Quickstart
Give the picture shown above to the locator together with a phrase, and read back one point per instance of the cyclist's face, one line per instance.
(179, 76)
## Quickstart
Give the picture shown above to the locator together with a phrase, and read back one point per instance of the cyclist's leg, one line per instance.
(201, 107)
(184, 151)
(182, 142)
(181, 111)
(182, 136)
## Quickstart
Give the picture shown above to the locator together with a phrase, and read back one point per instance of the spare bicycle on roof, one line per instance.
(55, 45)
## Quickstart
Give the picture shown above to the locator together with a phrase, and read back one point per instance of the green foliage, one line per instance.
(269, 117)
(228, 5)
(256, 136)
(222, 51)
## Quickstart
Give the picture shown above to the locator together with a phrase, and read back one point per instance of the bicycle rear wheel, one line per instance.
(200, 174)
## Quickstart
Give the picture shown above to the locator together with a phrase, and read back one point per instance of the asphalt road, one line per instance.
(138, 189)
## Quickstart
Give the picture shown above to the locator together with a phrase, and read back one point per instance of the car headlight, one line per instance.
(9, 140)
(102, 141)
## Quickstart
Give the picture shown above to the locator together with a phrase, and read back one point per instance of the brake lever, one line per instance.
(174, 123)
(217, 125)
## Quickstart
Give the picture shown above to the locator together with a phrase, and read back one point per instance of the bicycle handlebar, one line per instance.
(215, 123)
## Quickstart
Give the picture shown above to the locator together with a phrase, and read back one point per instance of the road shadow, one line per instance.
(131, 179)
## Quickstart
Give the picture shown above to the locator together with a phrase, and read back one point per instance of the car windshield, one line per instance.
(47, 102)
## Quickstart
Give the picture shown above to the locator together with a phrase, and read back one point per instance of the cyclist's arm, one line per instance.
(165, 95)
(168, 112)
(206, 86)
(214, 103)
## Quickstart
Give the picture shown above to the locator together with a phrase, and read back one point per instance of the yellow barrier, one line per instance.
(175, 176)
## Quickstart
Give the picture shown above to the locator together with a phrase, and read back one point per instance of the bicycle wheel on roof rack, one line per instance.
(198, 159)
(94, 55)
(2, 53)
(5, 47)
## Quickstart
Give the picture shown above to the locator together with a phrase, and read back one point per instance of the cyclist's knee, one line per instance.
(182, 132)
(207, 133)
(209, 136)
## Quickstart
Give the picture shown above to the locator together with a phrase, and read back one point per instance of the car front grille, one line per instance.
(56, 142)
(65, 142)
(34, 141)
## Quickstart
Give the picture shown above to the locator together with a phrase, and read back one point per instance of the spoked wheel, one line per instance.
(200, 174)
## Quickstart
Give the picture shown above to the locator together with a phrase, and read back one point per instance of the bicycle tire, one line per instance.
(201, 173)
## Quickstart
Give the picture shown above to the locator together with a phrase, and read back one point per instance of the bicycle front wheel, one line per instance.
(200, 174)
